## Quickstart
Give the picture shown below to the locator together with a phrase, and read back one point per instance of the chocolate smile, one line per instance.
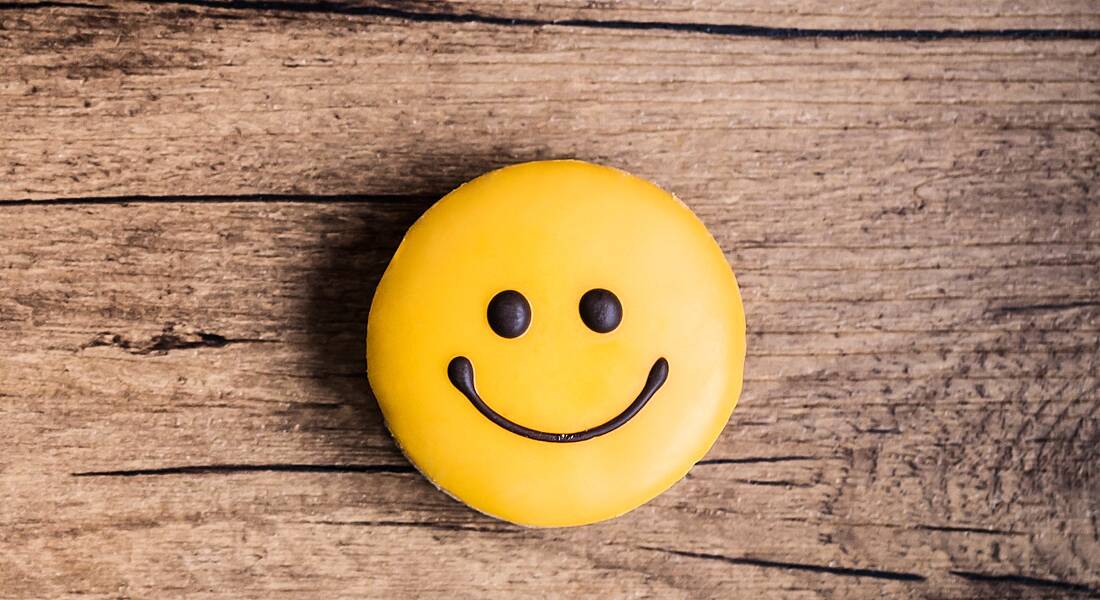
(461, 373)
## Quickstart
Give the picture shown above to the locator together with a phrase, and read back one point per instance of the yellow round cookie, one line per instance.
(556, 343)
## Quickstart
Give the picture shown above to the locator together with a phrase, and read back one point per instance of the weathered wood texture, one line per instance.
(196, 202)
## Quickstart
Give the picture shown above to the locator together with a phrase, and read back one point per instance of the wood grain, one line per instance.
(180, 100)
(197, 199)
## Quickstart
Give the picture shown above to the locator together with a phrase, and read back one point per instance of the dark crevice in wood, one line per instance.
(46, 4)
(735, 30)
(228, 469)
(982, 530)
(413, 199)
(773, 482)
(424, 525)
(878, 430)
(757, 459)
(1025, 308)
(317, 405)
(169, 340)
(829, 570)
(1028, 581)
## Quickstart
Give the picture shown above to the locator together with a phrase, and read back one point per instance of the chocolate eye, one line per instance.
(509, 314)
(601, 310)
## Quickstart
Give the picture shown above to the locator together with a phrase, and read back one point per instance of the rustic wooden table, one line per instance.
(198, 197)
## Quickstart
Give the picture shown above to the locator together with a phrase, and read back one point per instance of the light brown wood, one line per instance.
(196, 202)
(181, 101)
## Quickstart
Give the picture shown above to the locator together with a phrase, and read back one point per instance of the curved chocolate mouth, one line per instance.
(461, 373)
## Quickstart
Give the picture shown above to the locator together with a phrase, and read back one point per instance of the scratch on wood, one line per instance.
(758, 562)
(239, 468)
(1028, 581)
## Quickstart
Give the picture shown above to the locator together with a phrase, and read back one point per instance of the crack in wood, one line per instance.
(719, 29)
(421, 524)
(226, 469)
(824, 569)
(412, 199)
(773, 482)
(1024, 308)
(168, 340)
(981, 530)
(48, 4)
(1027, 581)
(758, 459)
(877, 430)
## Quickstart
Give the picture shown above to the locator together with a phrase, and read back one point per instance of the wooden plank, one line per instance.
(217, 335)
(168, 100)
(914, 226)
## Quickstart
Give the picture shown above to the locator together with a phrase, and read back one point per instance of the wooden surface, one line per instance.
(197, 199)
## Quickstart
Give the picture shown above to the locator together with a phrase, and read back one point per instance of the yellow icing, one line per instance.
(552, 231)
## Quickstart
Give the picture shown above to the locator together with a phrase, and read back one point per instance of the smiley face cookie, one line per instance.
(556, 343)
